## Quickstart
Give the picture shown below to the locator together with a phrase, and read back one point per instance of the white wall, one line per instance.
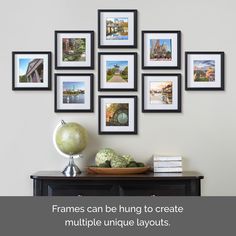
(204, 133)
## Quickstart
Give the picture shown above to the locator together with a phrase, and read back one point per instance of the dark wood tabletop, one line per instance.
(56, 175)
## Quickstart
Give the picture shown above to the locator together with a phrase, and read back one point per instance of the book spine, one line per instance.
(163, 169)
(159, 158)
(167, 164)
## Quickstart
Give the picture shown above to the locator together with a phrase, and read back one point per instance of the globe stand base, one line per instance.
(71, 169)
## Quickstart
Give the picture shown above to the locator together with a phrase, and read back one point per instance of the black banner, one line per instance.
(117, 215)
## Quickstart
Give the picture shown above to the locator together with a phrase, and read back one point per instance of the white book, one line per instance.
(167, 163)
(170, 169)
(167, 158)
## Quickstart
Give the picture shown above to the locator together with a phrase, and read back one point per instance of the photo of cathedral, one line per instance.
(160, 50)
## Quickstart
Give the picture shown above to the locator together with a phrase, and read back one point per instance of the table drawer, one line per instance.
(165, 189)
(75, 189)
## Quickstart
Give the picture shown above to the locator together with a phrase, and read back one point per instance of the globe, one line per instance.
(70, 138)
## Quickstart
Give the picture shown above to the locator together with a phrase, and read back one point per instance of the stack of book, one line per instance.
(167, 164)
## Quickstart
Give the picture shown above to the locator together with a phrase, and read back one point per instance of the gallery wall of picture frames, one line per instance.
(117, 71)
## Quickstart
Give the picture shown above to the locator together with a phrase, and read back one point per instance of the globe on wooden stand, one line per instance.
(70, 139)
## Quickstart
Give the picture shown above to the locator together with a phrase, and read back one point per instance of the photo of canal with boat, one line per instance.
(117, 28)
(73, 92)
(161, 92)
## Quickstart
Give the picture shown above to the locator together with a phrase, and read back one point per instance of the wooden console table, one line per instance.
(54, 183)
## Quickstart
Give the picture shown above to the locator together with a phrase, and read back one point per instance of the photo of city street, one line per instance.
(161, 92)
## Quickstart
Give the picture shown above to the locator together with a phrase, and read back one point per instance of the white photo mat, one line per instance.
(131, 112)
(103, 18)
(61, 63)
(174, 39)
(152, 106)
(64, 106)
(43, 84)
(190, 75)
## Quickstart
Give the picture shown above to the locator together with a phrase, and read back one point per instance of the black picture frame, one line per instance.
(178, 64)
(49, 72)
(222, 71)
(135, 112)
(179, 95)
(135, 72)
(135, 20)
(91, 45)
(91, 83)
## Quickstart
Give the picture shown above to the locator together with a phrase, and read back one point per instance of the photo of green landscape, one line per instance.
(74, 49)
(117, 71)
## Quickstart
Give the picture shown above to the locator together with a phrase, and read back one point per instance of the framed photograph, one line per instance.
(117, 115)
(31, 70)
(204, 70)
(74, 92)
(117, 28)
(117, 71)
(161, 49)
(74, 50)
(161, 92)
